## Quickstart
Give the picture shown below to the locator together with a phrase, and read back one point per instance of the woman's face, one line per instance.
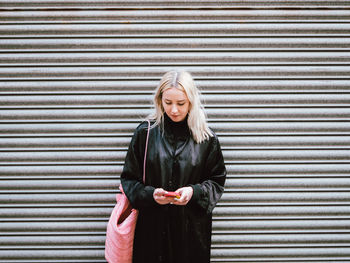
(176, 104)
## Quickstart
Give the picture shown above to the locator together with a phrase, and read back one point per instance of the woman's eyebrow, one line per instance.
(181, 100)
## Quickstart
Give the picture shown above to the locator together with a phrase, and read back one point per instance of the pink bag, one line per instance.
(121, 225)
(120, 231)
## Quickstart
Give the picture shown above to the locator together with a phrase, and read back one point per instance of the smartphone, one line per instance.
(173, 194)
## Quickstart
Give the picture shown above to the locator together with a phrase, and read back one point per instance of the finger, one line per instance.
(181, 201)
(159, 192)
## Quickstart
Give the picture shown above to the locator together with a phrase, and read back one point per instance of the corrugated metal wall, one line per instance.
(76, 77)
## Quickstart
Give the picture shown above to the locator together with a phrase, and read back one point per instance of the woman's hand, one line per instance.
(158, 196)
(186, 195)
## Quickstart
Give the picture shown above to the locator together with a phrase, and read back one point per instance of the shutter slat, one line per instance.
(161, 44)
(176, 3)
(122, 71)
(119, 85)
(166, 15)
(214, 57)
(183, 30)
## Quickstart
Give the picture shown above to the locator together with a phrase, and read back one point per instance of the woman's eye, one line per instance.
(181, 104)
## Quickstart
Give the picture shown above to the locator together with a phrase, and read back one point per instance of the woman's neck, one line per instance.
(178, 129)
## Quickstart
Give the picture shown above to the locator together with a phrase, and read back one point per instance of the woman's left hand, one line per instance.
(186, 195)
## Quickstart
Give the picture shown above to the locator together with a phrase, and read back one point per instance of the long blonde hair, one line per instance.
(183, 81)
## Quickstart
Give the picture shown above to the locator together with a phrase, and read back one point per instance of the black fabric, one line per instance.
(169, 233)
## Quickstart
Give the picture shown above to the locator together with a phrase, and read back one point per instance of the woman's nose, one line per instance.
(174, 109)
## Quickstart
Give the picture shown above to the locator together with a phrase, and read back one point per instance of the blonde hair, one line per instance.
(196, 120)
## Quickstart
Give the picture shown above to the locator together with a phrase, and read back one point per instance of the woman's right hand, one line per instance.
(159, 197)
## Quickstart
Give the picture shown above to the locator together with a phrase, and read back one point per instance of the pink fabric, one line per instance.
(121, 225)
(120, 235)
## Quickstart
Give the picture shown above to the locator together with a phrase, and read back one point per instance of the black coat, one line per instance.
(170, 233)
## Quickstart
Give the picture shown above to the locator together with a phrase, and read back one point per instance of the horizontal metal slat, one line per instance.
(145, 100)
(205, 29)
(193, 57)
(241, 171)
(176, 44)
(78, 86)
(227, 254)
(276, 240)
(234, 185)
(256, 211)
(226, 71)
(168, 4)
(52, 239)
(232, 225)
(69, 212)
(74, 142)
(241, 155)
(77, 260)
(223, 128)
(115, 114)
(315, 253)
(273, 211)
(54, 196)
(169, 15)
(22, 184)
(92, 254)
(231, 185)
(116, 86)
(91, 230)
(92, 196)
(68, 156)
(126, 100)
(288, 170)
(287, 184)
(284, 141)
(72, 128)
(294, 228)
(267, 142)
(281, 240)
(287, 155)
(69, 171)
(295, 128)
(287, 197)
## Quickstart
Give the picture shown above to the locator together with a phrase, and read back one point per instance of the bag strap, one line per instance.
(145, 157)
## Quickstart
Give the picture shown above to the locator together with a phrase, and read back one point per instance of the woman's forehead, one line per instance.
(174, 94)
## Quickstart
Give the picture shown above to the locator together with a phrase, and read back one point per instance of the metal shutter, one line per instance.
(76, 77)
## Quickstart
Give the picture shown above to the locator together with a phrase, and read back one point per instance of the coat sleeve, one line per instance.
(208, 193)
(139, 195)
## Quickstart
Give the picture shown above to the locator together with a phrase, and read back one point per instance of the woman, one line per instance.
(184, 156)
